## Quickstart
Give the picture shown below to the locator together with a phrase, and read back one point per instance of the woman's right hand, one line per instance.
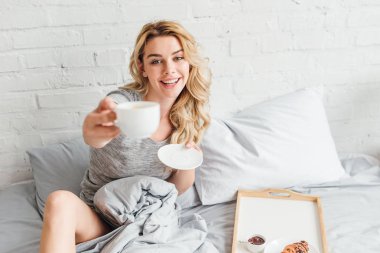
(98, 126)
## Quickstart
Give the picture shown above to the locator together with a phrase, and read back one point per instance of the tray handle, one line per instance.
(278, 193)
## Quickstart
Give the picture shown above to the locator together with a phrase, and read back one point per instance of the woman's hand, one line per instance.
(98, 127)
(184, 179)
(191, 144)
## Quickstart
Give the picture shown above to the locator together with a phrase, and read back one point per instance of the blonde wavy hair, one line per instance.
(189, 114)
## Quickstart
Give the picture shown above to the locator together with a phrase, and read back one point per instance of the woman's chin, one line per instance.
(173, 92)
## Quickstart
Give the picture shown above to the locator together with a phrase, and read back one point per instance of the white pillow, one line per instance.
(280, 143)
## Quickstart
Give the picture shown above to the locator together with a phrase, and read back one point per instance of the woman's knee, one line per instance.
(59, 201)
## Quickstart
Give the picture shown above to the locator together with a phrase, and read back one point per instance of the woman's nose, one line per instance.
(169, 68)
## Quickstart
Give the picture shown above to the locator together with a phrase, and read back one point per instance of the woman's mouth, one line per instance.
(170, 83)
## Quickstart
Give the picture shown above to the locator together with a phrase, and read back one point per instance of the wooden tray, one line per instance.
(276, 214)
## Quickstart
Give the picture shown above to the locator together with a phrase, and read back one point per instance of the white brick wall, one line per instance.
(58, 58)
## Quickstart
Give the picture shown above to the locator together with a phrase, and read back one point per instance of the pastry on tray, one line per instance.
(297, 247)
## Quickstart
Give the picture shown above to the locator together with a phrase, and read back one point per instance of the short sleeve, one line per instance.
(121, 96)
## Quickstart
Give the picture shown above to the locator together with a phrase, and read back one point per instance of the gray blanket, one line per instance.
(143, 212)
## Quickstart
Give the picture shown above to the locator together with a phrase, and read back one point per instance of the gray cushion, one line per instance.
(20, 222)
(58, 167)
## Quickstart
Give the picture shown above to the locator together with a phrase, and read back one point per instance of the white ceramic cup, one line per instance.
(138, 119)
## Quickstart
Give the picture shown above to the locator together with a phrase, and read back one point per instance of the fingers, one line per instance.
(106, 104)
(197, 148)
(104, 132)
(100, 135)
(191, 144)
(98, 126)
(105, 118)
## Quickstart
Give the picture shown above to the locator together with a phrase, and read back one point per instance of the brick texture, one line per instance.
(59, 58)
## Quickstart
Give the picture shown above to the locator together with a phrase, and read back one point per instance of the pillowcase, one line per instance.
(58, 167)
(62, 167)
(280, 143)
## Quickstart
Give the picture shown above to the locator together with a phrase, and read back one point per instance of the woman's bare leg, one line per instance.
(68, 221)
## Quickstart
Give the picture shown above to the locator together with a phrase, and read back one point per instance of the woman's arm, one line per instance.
(183, 179)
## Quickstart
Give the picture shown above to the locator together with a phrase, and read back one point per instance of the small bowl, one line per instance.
(255, 244)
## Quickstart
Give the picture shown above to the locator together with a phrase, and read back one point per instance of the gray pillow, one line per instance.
(58, 167)
(62, 167)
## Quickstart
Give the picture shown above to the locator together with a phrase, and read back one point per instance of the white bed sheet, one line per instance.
(351, 210)
(351, 213)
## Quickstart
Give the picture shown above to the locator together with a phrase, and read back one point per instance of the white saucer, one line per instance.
(177, 156)
(276, 246)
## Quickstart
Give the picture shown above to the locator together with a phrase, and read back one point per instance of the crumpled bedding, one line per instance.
(143, 212)
(351, 210)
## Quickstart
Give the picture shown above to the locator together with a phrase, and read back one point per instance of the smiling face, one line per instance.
(165, 67)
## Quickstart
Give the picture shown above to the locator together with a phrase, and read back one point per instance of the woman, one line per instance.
(167, 69)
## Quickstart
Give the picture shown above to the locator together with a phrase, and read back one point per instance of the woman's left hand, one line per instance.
(191, 144)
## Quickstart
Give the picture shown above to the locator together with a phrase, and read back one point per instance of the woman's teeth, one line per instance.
(170, 81)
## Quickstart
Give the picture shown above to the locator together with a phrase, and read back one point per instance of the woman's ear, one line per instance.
(141, 68)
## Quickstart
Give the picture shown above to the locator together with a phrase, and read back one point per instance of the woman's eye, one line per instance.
(178, 58)
(155, 62)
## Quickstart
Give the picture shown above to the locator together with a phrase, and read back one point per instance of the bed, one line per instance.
(350, 201)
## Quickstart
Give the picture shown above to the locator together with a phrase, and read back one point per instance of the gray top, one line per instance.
(122, 157)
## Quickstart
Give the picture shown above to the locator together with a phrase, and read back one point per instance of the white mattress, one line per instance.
(351, 213)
